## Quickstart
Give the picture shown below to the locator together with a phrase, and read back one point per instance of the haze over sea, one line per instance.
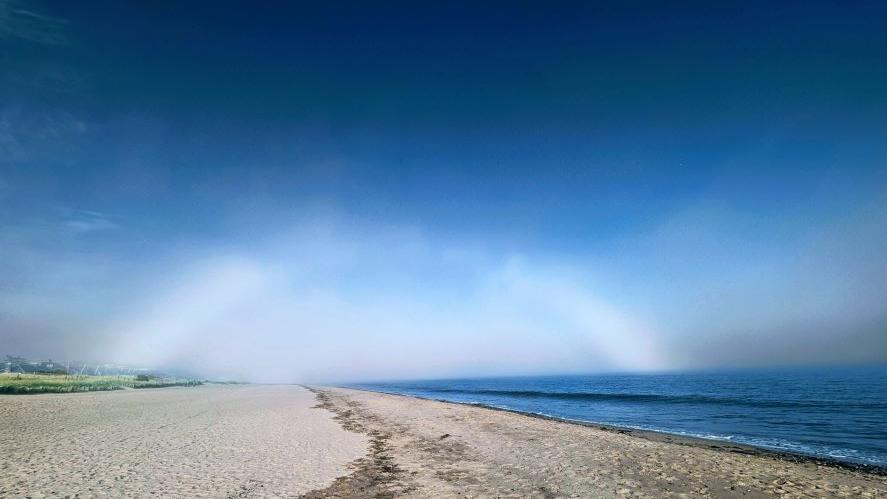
(836, 413)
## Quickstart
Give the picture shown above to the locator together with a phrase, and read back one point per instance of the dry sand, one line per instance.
(210, 441)
(268, 441)
(425, 448)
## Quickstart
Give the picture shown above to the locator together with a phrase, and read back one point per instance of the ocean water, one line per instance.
(833, 413)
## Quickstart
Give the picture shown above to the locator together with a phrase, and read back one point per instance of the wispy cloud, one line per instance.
(85, 221)
(18, 21)
(27, 133)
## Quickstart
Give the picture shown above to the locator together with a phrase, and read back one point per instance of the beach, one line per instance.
(207, 441)
(426, 448)
(289, 441)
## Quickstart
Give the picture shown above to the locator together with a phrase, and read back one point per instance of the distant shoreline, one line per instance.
(42, 383)
(664, 436)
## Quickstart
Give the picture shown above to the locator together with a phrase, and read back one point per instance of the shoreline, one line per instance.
(318, 442)
(421, 447)
(661, 436)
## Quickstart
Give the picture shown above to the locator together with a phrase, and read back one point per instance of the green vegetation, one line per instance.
(16, 383)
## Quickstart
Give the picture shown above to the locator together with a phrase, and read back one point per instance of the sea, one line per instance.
(834, 413)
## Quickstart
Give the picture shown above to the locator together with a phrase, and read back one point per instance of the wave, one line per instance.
(651, 398)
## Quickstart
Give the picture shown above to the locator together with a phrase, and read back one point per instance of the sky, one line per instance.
(342, 191)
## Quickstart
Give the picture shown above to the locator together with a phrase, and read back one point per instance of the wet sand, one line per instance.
(209, 441)
(424, 448)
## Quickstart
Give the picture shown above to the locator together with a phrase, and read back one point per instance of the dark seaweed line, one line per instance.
(785, 455)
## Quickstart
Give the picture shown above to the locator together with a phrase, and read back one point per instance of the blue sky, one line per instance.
(532, 188)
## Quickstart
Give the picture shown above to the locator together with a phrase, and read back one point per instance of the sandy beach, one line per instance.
(285, 441)
(209, 441)
(425, 448)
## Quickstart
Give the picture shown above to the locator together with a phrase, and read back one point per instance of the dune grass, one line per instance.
(14, 383)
